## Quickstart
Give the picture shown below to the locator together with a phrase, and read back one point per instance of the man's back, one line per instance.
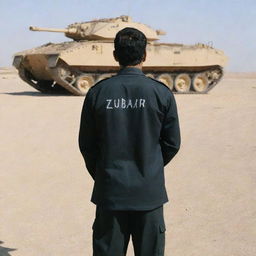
(129, 130)
(135, 133)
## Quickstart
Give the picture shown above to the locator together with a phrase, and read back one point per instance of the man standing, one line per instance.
(129, 131)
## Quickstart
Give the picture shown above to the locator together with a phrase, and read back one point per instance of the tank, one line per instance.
(74, 66)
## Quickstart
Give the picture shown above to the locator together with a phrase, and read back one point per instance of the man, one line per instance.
(129, 130)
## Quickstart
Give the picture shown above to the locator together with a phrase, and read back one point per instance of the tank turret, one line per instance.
(102, 29)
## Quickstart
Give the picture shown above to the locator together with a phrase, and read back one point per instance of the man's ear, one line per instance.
(114, 54)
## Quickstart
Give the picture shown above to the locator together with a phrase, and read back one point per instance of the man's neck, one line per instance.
(139, 66)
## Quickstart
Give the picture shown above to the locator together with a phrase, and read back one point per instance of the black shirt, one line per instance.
(129, 130)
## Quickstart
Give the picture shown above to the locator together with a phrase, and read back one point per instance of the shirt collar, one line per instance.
(130, 71)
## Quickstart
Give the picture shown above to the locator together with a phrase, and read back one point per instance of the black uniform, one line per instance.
(129, 130)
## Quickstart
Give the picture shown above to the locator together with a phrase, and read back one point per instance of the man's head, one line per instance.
(130, 47)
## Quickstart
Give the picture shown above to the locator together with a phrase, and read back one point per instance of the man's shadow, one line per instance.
(4, 251)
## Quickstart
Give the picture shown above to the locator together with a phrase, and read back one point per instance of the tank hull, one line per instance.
(75, 66)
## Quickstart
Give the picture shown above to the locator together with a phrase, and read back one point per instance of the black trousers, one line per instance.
(112, 231)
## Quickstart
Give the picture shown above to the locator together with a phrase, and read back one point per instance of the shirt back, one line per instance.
(126, 118)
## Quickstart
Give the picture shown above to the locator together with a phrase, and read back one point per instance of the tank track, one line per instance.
(211, 85)
(64, 79)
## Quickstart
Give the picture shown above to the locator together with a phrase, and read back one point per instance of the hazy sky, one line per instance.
(229, 24)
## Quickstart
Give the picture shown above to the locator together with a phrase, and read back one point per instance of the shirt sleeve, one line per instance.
(87, 135)
(170, 132)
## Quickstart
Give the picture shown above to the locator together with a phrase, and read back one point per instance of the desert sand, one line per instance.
(45, 190)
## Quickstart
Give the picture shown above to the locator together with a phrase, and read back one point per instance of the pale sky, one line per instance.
(228, 24)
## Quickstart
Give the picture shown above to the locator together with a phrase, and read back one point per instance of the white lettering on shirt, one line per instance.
(142, 103)
(116, 103)
(121, 103)
(135, 103)
(129, 103)
(108, 104)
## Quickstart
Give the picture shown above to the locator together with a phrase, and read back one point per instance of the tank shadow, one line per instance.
(4, 251)
(36, 94)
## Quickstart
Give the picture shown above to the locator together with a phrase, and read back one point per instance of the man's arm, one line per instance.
(170, 132)
(87, 135)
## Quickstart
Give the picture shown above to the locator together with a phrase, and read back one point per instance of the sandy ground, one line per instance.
(45, 190)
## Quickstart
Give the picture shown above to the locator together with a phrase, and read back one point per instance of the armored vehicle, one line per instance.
(74, 66)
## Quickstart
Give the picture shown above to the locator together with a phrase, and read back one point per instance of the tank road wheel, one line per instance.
(166, 79)
(150, 75)
(66, 74)
(200, 82)
(103, 76)
(83, 83)
(182, 83)
(214, 75)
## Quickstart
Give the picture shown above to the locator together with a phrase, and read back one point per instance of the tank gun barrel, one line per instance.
(58, 30)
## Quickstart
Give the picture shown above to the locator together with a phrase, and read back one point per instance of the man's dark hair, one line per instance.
(130, 46)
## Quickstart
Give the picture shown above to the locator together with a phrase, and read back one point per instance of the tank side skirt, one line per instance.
(158, 70)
